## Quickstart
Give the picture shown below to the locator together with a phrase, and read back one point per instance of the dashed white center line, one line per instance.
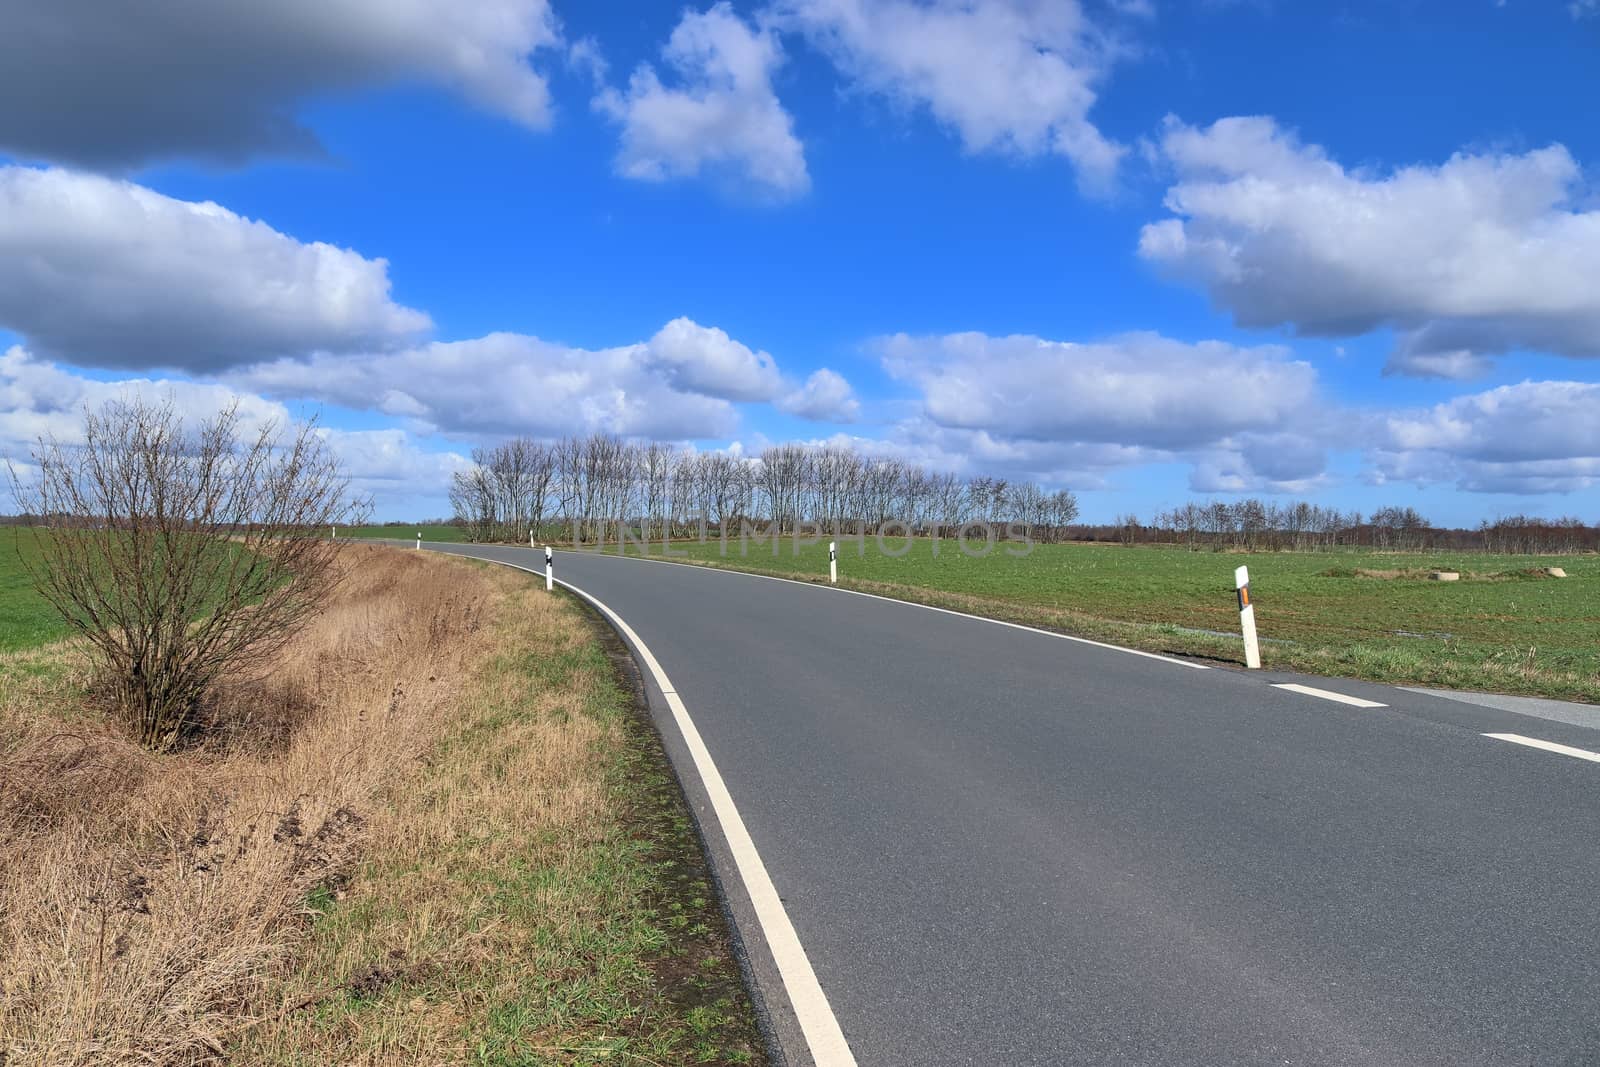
(1306, 690)
(1548, 746)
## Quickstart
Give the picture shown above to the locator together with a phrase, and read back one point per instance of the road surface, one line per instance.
(1001, 847)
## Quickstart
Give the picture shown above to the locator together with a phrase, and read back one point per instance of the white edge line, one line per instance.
(1355, 702)
(1548, 746)
(817, 1021)
(904, 603)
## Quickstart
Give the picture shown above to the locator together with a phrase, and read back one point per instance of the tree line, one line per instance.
(1263, 525)
(599, 486)
(602, 486)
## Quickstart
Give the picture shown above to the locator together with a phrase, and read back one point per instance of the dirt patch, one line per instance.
(1423, 574)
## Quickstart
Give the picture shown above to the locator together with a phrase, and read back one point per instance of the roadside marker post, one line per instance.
(530, 537)
(419, 540)
(833, 562)
(549, 569)
(1247, 619)
(335, 534)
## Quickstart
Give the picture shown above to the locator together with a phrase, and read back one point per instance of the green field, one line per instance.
(429, 533)
(25, 618)
(1503, 627)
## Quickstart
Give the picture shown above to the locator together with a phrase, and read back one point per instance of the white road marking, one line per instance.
(914, 604)
(817, 1021)
(1306, 690)
(1548, 746)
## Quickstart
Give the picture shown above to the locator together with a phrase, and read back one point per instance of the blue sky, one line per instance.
(1145, 250)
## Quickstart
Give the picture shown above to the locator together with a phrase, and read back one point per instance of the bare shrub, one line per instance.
(181, 553)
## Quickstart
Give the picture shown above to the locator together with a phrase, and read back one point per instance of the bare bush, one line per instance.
(177, 553)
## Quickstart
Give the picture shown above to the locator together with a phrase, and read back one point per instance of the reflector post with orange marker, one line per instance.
(1247, 619)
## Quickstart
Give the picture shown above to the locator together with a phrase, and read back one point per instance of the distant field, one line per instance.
(429, 533)
(25, 619)
(1502, 627)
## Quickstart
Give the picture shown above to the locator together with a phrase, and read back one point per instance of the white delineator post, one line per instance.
(530, 537)
(549, 569)
(1247, 619)
(419, 540)
(833, 562)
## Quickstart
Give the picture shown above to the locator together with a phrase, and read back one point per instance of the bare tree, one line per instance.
(179, 554)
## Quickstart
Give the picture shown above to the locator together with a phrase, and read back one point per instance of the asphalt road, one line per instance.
(1003, 848)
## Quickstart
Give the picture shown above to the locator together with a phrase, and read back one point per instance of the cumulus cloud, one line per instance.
(705, 360)
(825, 397)
(1479, 255)
(1131, 399)
(1011, 76)
(1533, 437)
(683, 383)
(1137, 389)
(722, 115)
(39, 398)
(222, 81)
(101, 272)
(387, 463)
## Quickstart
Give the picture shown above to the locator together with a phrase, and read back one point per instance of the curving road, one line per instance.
(1002, 847)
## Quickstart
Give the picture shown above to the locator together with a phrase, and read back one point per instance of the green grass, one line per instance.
(599, 942)
(405, 532)
(26, 619)
(1500, 628)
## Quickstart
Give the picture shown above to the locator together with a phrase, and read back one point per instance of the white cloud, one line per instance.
(705, 360)
(1013, 76)
(1078, 464)
(825, 397)
(1133, 399)
(1533, 437)
(106, 273)
(39, 398)
(1137, 389)
(681, 384)
(1479, 255)
(724, 117)
(222, 81)
(387, 463)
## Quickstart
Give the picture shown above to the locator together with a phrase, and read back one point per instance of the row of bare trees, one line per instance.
(1256, 525)
(1250, 524)
(598, 486)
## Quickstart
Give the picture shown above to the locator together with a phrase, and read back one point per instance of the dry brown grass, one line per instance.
(436, 834)
(520, 786)
(536, 896)
(149, 903)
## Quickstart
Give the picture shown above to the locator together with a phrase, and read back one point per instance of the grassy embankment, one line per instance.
(439, 834)
(1504, 627)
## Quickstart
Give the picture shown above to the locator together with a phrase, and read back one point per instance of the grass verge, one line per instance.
(448, 837)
